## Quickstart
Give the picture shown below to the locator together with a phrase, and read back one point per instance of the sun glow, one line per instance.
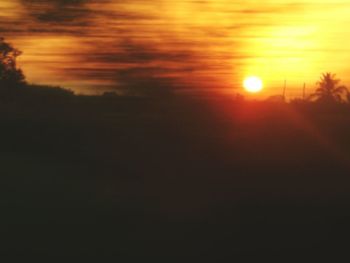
(253, 84)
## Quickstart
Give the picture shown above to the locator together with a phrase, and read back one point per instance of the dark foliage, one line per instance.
(173, 178)
(10, 74)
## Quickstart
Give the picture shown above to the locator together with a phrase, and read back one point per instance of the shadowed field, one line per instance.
(173, 178)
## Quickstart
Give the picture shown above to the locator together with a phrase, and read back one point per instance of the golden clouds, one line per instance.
(187, 43)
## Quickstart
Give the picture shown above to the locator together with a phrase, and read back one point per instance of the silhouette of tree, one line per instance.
(10, 75)
(329, 90)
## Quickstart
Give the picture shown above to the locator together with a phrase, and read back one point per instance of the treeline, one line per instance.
(13, 84)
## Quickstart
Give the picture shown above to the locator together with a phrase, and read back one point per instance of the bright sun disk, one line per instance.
(253, 84)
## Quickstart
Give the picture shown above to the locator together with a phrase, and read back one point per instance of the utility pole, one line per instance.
(304, 91)
(284, 89)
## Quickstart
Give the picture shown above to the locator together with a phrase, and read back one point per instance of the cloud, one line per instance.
(133, 67)
(47, 17)
(151, 43)
(57, 11)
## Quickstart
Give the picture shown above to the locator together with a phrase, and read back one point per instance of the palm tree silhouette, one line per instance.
(328, 89)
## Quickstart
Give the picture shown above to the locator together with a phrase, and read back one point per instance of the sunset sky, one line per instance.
(95, 45)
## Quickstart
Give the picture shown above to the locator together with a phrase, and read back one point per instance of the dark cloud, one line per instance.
(48, 17)
(57, 11)
(135, 67)
(71, 17)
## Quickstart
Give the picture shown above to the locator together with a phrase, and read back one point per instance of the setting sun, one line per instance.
(253, 84)
(205, 128)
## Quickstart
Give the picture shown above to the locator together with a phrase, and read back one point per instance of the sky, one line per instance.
(92, 46)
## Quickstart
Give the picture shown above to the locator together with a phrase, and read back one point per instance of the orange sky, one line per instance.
(91, 46)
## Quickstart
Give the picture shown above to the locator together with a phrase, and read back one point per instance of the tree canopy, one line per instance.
(328, 89)
(10, 74)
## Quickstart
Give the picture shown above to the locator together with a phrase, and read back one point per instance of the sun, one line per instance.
(253, 84)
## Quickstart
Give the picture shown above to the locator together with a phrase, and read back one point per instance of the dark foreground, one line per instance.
(173, 179)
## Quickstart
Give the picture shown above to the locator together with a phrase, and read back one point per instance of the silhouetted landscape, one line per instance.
(169, 176)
